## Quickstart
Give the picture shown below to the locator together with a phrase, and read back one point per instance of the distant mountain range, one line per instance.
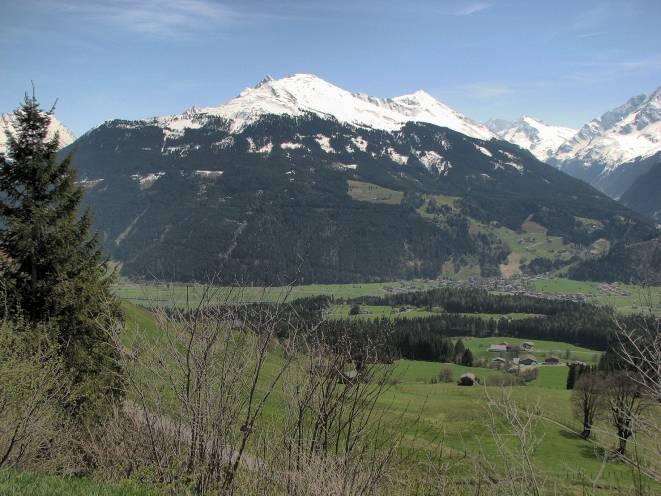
(303, 94)
(66, 137)
(298, 179)
(543, 140)
(610, 152)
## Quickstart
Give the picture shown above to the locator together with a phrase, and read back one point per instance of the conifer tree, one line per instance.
(571, 376)
(56, 270)
(467, 358)
(459, 350)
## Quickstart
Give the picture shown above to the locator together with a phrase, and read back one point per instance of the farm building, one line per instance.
(527, 345)
(551, 360)
(467, 379)
(528, 360)
(498, 348)
(498, 360)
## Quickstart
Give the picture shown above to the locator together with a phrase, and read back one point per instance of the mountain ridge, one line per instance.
(66, 137)
(530, 133)
(298, 94)
(311, 198)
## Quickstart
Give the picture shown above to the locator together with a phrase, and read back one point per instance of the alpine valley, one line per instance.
(297, 179)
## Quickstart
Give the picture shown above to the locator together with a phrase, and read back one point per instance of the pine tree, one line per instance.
(467, 358)
(459, 350)
(571, 376)
(56, 270)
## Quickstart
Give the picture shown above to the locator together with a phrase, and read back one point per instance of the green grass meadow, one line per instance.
(28, 484)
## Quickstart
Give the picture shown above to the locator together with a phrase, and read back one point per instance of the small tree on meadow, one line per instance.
(446, 375)
(626, 404)
(355, 310)
(588, 400)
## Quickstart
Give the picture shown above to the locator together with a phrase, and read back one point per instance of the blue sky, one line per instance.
(562, 61)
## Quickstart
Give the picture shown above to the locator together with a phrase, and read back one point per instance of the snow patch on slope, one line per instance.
(432, 160)
(396, 157)
(324, 143)
(146, 181)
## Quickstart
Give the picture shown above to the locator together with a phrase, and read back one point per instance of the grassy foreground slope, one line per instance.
(28, 484)
(434, 415)
(431, 417)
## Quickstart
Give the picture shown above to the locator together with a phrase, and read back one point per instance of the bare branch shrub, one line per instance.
(446, 375)
(34, 429)
(232, 397)
(336, 440)
(514, 431)
(588, 400)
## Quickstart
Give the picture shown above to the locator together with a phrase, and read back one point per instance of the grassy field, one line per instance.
(377, 312)
(27, 484)
(626, 298)
(362, 191)
(147, 294)
(564, 351)
(431, 415)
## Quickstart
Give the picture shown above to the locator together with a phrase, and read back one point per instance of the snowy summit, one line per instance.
(66, 137)
(542, 139)
(625, 133)
(299, 94)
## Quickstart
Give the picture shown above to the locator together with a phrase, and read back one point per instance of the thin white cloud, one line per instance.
(486, 90)
(151, 17)
(472, 8)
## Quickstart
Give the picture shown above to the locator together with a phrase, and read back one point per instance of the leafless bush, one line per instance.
(34, 429)
(634, 394)
(588, 400)
(197, 391)
(446, 375)
(515, 435)
(332, 426)
(529, 374)
(503, 380)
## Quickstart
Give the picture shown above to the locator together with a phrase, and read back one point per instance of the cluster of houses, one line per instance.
(525, 360)
(520, 284)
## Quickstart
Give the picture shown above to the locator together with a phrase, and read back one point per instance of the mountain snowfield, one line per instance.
(299, 94)
(541, 139)
(621, 135)
(66, 137)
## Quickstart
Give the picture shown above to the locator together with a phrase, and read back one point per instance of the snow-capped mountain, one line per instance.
(540, 138)
(301, 94)
(66, 137)
(625, 133)
(298, 169)
(611, 152)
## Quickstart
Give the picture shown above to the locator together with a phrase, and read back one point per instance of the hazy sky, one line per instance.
(562, 61)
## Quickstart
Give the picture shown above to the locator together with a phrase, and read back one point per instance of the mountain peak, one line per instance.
(627, 132)
(66, 137)
(533, 134)
(419, 98)
(302, 93)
